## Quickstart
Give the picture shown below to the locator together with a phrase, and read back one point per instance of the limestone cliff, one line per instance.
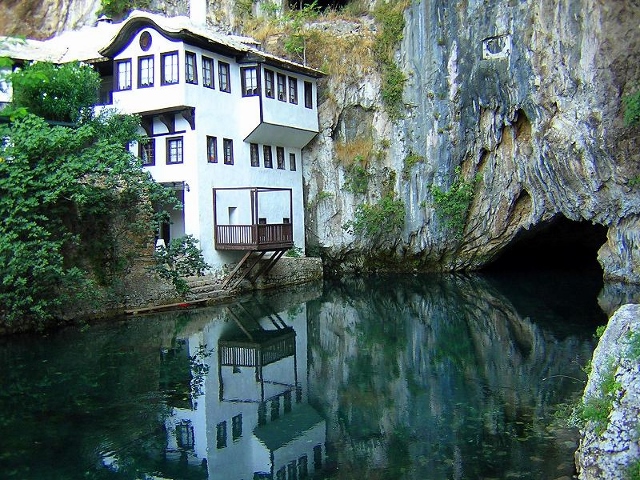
(523, 99)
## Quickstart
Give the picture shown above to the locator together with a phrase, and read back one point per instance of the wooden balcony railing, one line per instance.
(254, 237)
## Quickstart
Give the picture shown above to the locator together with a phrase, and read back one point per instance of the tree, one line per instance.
(76, 204)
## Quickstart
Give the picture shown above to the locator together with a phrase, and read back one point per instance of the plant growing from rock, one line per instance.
(453, 204)
(374, 221)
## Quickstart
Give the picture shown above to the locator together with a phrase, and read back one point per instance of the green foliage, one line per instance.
(410, 161)
(597, 408)
(634, 181)
(600, 331)
(357, 179)
(386, 217)
(632, 109)
(181, 258)
(295, 43)
(632, 472)
(633, 346)
(452, 206)
(270, 9)
(119, 8)
(63, 93)
(295, 252)
(323, 195)
(76, 206)
(390, 19)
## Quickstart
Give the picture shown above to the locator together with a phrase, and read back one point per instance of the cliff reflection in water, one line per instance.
(430, 377)
(441, 377)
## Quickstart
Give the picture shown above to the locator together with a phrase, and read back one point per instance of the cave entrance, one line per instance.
(559, 244)
(321, 4)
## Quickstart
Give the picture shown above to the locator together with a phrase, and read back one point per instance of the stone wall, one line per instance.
(607, 455)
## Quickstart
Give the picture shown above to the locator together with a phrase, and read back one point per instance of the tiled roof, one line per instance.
(99, 42)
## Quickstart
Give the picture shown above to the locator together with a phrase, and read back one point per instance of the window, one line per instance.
(221, 435)
(282, 88)
(287, 395)
(268, 84)
(249, 81)
(123, 74)
(169, 68)
(207, 72)
(280, 157)
(255, 155)
(185, 437)
(190, 69)
(174, 150)
(145, 72)
(236, 427)
(212, 149)
(275, 407)
(308, 95)
(303, 468)
(262, 413)
(317, 457)
(293, 90)
(292, 471)
(227, 146)
(266, 153)
(223, 77)
(292, 161)
(147, 152)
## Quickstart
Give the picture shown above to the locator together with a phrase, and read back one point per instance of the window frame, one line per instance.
(227, 151)
(250, 84)
(254, 154)
(292, 161)
(190, 67)
(280, 158)
(179, 150)
(267, 155)
(126, 62)
(292, 83)
(150, 71)
(308, 94)
(281, 87)
(224, 77)
(147, 150)
(269, 84)
(174, 66)
(212, 149)
(211, 83)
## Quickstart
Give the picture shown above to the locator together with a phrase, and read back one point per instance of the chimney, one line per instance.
(198, 11)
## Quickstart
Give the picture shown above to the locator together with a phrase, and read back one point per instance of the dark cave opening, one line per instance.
(559, 244)
(554, 268)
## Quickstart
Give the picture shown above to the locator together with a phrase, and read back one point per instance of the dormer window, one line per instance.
(169, 68)
(190, 70)
(282, 88)
(249, 81)
(145, 72)
(123, 74)
(269, 91)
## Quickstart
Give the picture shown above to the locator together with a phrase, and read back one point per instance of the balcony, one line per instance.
(259, 237)
(243, 220)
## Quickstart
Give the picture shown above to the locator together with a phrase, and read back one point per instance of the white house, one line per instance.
(226, 124)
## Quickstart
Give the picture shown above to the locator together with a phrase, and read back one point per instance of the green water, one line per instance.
(408, 377)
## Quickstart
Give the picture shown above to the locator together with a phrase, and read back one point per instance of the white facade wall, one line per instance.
(223, 116)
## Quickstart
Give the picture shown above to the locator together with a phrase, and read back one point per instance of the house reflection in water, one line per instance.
(246, 414)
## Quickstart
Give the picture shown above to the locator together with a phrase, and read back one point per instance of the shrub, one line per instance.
(181, 258)
(452, 206)
(386, 217)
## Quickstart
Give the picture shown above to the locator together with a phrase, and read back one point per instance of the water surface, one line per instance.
(407, 377)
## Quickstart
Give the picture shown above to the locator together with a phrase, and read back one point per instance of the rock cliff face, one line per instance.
(526, 98)
(522, 98)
